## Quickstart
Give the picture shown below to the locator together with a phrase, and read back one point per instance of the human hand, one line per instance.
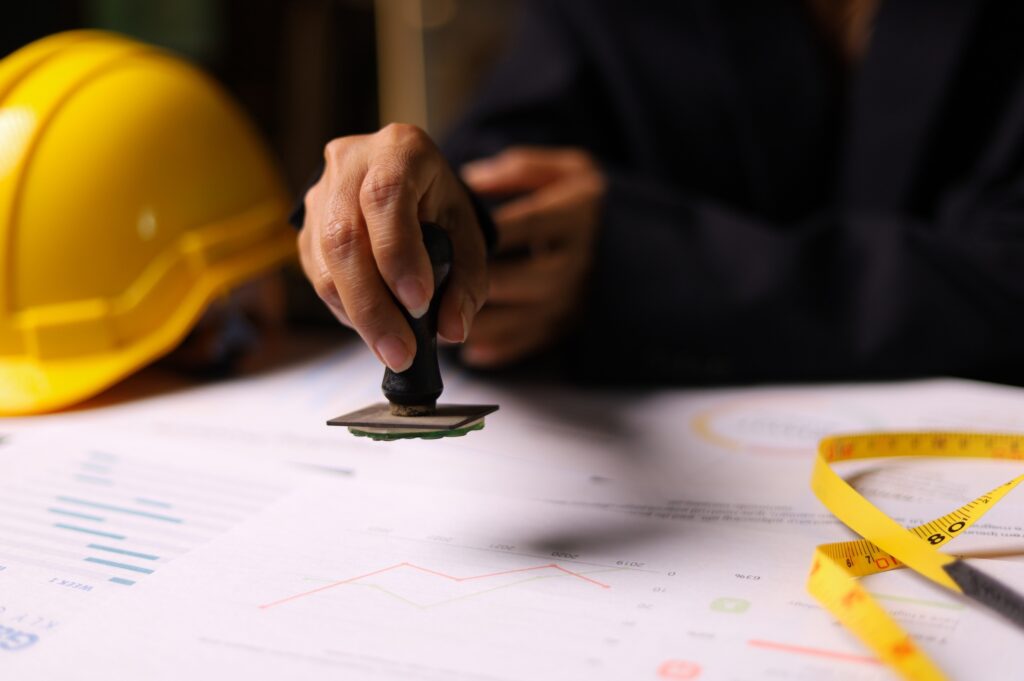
(361, 237)
(547, 236)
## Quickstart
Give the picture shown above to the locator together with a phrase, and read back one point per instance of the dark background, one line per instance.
(306, 70)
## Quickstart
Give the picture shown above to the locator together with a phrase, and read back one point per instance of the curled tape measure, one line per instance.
(887, 545)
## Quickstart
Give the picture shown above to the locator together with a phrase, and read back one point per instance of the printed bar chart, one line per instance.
(104, 518)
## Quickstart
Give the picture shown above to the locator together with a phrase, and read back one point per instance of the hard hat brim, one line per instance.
(29, 386)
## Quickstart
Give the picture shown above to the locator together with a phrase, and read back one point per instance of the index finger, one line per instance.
(539, 220)
(398, 175)
(520, 169)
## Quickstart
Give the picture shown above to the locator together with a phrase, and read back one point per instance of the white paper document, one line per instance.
(225, 532)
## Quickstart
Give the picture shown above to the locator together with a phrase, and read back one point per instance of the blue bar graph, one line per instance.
(86, 530)
(123, 566)
(75, 514)
(119, 509)
(124, 552)
(103, 456)
(117, 518)
(93, 480)
(152, 502)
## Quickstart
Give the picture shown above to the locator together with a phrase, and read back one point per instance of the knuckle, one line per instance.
(403, 134)
(311, 198)
(326, 290)
(381, 189)
(336, 148)
(404, 147)
(340, 239)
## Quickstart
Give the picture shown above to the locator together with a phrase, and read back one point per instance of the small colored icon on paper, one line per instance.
(733, 605)
(678, 670)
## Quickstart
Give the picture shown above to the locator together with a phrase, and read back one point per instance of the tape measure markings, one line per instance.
(885, 545)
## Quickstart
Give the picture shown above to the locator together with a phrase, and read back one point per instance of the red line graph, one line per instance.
(413, 566)
(815, 652)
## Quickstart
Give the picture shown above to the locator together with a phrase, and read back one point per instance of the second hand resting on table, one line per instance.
(361, 237)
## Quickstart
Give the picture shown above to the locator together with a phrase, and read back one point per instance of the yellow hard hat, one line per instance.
(133, 192)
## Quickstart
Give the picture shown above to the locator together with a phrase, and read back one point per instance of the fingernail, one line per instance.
(413, 295)
(393, 352)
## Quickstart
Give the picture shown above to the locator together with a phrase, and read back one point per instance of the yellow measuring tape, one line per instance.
(887, 545)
